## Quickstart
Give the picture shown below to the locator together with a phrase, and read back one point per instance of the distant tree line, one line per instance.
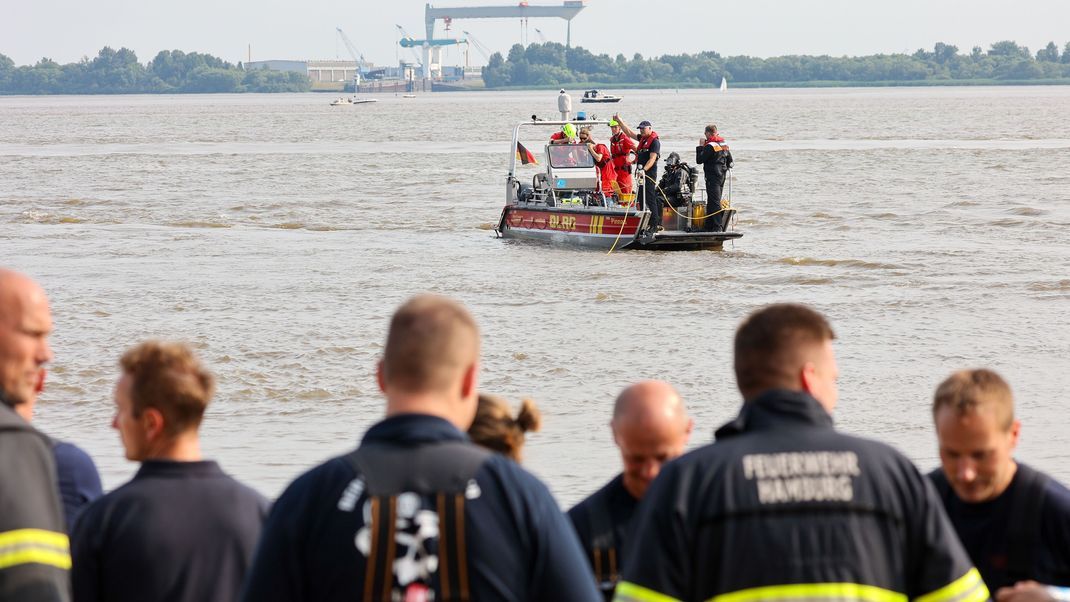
(551, 63)
(119, 72)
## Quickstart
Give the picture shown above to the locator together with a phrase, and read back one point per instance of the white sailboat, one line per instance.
(724, 84)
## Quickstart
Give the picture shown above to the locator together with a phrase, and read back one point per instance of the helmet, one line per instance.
(569, 130)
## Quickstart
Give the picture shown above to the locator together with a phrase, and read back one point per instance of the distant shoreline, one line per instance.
(650, 86)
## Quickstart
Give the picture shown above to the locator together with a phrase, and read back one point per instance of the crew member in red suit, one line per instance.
(602, 159)
(622, 152)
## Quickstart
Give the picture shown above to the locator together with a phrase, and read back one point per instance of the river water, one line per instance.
(277, 234)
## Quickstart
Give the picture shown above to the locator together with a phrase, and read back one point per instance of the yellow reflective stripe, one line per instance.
(37, 536)
(25, 546)
(630, 592)
(966, 588)
(811, 591)
(37, 556)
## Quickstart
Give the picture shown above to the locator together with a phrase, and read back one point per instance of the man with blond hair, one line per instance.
(784, 507)
(419, 513)
(181, 530)
(1013, 520)
(34, 550)
(650, 427)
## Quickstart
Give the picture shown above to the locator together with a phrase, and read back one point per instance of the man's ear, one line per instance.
(152, 423)
(807, 377)
(470, 381)
(379, 378)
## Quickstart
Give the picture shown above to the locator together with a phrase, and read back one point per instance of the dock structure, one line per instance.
(567, 11)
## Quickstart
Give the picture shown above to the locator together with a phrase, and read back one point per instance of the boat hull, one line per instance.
(598, 100)
(600, 228)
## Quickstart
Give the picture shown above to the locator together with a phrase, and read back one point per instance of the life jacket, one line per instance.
(717, 142)
(645, 142)
(619, 146)
(415, 499)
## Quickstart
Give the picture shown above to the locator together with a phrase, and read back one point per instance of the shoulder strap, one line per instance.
(603, 541)
(1023, 529)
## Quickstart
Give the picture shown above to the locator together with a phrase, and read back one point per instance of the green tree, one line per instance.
(1010, 49)
(1049, 53)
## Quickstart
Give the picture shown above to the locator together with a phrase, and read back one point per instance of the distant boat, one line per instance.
(408, 96)
(341, 102)
(596, 96)
(724, 84)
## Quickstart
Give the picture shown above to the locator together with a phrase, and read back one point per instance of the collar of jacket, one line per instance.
(413, 429)
(11, 420)
(776, 408)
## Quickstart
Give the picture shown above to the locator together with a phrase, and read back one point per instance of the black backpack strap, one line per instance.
(1023, 531)
(603, 542)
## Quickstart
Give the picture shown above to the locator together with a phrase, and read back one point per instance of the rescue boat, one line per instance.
(564, 205)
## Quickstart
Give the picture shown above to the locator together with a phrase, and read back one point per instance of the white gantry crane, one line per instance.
(357, 57)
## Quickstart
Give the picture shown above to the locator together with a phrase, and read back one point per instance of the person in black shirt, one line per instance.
(651, 427)
(1013, 520)
(418, 512)
(181, 530)
(713, 154)
(648, 151)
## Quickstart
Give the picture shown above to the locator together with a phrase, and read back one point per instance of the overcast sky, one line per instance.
(67, 30)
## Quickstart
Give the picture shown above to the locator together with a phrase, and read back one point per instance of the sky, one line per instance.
(67, 30)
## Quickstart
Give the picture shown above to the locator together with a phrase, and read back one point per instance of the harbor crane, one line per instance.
(567, 11)
(483, 50)
(357, 57)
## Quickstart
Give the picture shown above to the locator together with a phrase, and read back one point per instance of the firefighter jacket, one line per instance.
(782, 507)
(34, 551)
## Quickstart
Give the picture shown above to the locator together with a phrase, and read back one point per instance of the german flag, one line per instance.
(525, 155)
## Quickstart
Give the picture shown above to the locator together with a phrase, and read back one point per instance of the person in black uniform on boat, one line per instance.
(716, 160)
(648, 151)
(650, 427)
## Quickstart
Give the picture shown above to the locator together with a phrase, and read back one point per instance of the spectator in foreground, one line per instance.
(495, 428)
(418, 512)
(650, 427)
(181, 530)
(34, 550)
(1013, 520)
(784, 507)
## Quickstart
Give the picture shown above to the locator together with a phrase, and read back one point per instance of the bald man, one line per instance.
(650, 426)
(34, 551)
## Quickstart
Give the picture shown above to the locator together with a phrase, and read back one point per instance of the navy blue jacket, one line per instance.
(784, 507)
(79, 481)
(519, 544)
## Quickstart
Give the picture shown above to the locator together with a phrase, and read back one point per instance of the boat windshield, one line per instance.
(570, 155)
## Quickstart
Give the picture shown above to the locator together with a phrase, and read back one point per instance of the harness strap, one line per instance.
(603, 543)
(1023, 531)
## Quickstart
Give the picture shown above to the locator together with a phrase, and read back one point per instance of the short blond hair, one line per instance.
(432, 340)
(970, 391)
(169, 378)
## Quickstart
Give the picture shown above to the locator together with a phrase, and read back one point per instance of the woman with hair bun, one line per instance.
(496, 429)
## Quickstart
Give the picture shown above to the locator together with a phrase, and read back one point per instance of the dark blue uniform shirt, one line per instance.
(608, 509)
(177, 532)
(519, 544)
(984, 530)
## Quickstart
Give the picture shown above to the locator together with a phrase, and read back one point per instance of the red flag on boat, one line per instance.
(525, 155)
